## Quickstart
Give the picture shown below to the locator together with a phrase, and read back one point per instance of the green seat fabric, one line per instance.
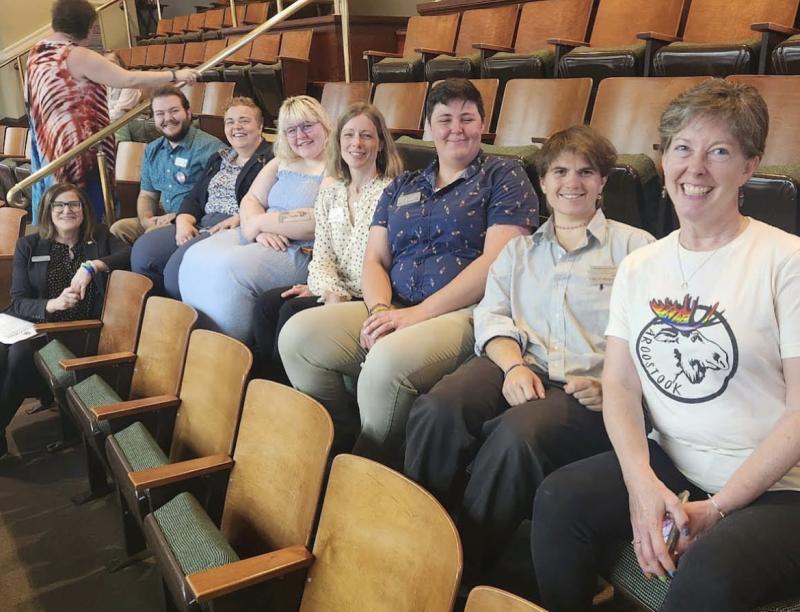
(644, 166)
(94, 391)
(51, 354)
(194, 540)
(637, 49)
(139, 447)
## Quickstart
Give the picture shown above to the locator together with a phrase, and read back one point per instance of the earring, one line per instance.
(664, 192)
(741, 197)
(599, 202)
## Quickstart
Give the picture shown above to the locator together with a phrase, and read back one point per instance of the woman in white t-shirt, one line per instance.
(705, 328)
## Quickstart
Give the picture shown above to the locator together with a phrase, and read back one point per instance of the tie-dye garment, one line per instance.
(64, 111)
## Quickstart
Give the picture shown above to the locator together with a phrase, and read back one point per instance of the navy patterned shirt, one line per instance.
(434, 235)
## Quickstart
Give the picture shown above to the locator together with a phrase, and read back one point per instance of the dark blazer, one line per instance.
(195, 202)
(29, 277)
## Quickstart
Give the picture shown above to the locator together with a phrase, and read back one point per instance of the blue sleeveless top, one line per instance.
(294, 190)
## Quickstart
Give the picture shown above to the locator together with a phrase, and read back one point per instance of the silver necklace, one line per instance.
(685, 283)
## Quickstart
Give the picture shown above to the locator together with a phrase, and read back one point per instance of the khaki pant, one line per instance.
(320, 351)
(127, 230)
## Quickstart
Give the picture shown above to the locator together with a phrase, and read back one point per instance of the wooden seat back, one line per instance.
(494, 26)
(627, 111)
(15, 141)
(539, 21)
(402, 104)
(227, 22)
(537, 108)
(214, 19)
(179, 24)
(488, 90)
(490, 599)
(212, 48)
(196, 22)
(138, 57)
(125, 56)
(161, 352)
(154, 58)
(216, 99)
(619, 21)
(280, 459)
(173, 54)
(256, 13)
(240, 57)
(122, 311)
(193, 53)
(376, 523)
(296, 43)
(195, 94)
(431, 32)
(704, 25)
(12, 226)
(128, 166)
(164, 27)
(782, 95)
(336, 97)
(265, 49)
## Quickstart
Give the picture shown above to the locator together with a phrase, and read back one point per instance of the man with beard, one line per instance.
(171, 166)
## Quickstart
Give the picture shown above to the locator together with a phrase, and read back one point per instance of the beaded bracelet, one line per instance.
(716, 507)
(87, 265)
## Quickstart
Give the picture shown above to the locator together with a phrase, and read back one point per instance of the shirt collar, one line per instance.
(598, 227)
(429, 174)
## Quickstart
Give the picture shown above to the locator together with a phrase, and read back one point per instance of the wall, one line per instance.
(403, 8)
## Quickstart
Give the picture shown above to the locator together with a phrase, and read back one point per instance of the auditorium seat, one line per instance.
(212, 114)
(531, 55)
(271, 501)
(255, 13)
(125, 56)
(724, 37)
(193, 54)
(627, 112)
(213, 20)
(154, 56)
(127, 176)
(12, 226)
(491, 599)
(263, 50)
(212, 48)
(487, 26)
(196, 22)
(16, 151)
(423, 32)
(402, 106)
(336, 97)
(173, 54)
(195, 94)
(786, 56)
(614, 48)
(227, 21)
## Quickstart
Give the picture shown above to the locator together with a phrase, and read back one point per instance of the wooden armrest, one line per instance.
(371, 53)
(299, 60)
(68, 326)
(406, 132)
(426, 51)
(496, 48)
(96, 361)
(767, 26)
(567, 42)
(134, 407)
(181, 470)
(659, 36)
(219, 581)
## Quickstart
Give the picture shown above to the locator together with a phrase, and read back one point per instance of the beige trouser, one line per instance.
(127, 230)
(320, 351)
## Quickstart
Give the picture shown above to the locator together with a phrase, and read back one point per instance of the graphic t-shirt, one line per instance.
(707, 332)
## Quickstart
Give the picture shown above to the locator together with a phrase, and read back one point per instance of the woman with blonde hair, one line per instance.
(362, 160)
(222, 276)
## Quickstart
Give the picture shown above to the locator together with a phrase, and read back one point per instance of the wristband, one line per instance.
(174, 76)
(516, 365)
(716, 507)
(376, 308)
(87, 265)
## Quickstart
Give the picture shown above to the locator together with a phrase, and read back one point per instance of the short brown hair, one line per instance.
(73, 17)
(453, 89)
(170, 90)
(248, 102)
(389, 163)
(579, 140)
(737, 106)
(47, 229)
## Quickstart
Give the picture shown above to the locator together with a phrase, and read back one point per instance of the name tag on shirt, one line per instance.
(336, 215)
(38, 258)
(181, 162)
(409, 198)
(602, 275)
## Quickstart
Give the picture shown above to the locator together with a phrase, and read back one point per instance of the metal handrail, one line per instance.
(136, 110)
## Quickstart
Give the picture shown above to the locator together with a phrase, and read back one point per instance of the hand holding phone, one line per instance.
(669, 529)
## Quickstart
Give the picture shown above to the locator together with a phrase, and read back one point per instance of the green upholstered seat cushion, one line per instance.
(92, 392)
(790, 170)
(637, 49)
(753, 43)
(406, 59)
(547, 56)
(194, 540)
(51, 354)
(644, 166)
(139, 447)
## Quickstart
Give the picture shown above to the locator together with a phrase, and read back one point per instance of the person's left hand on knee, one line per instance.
(386, 321)
(588, 391)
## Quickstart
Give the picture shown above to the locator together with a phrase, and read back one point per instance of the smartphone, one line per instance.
(669, 530)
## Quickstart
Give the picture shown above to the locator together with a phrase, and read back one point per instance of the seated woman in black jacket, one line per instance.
(59, 275)
(212, 204)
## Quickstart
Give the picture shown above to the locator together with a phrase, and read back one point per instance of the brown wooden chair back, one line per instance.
(193, 53)
(138, 57)
(164, 27)
(296, 43)
(15, 140)
(714, 21)
(216, 99)
(154, 58)
(627, 111)
(494, 26)
(242, 56)
(537, 108)
(125, 56)
(256, 13)
(782, 95)
(179, 24)
(227, 22)
(488, 90)
(173, 54)
(490, 599)
(402, 104)
(214, 19)
(195, 94)
(122, 311)
(213, 47)
(545, 19)
(431, 32)
(196, 22)
(280, 459)
(265, 49)
(128, 166)
(336, 97)
(212, 390)
(12, 226)
(376, 523)
(161, 352)
(619, 21)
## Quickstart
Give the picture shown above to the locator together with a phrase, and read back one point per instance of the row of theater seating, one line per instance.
(189, 27)
(595, 38)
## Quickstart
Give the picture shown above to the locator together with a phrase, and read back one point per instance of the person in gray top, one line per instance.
(530, 401)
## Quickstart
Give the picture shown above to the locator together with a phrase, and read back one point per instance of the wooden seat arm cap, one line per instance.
(134, 407)
(180, 470)
(96, 361)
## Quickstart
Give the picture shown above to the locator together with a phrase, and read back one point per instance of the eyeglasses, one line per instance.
(304, 127)
(72, 205)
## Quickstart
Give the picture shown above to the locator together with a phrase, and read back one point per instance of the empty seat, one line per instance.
(127, 176)
(154, 57)
(193, 54)
(263, 50)
(423, 32)
(402, 106)
(256, 13)
(195, 94)
(216, 99)
(15, 151)
(173, 54)
(336, 97)
(490, 599)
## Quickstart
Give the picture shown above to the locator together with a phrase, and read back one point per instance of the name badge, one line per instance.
(181, 162)
(38, 258)
(409, 198)
(336, 215)
(602, 275)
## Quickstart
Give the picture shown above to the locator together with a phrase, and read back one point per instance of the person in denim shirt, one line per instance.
(433, 237)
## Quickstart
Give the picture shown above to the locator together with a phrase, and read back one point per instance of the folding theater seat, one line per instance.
(724, 37)
(614, 48)
(786, 56)
(154, 57)
(486, 26)
(12, 226)
(532, 56)
(490, 599)
(263, 50)
(212, 48)
(336, 97)
(402, 106)
(428, 32)
(127, 176)
(16, 150)
(212, 114)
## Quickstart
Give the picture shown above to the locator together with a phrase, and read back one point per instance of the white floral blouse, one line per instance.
(341, 238)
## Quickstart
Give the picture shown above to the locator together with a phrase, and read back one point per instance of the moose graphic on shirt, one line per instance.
(687, 350)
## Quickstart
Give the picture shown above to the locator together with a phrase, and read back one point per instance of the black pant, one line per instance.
(750, 557)
(271, 313)
(19, 377)
(464, 419)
